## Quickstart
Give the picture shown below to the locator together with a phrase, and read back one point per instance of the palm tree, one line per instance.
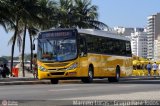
(5, 14)
(47, 11)
(30, 9)
(16, 9)
(39, 14)
(20, 17)
(32, 32)
(78, 13)
(46, 20)
(63, 15)
(8, 16)
(88, 16)
(13, 44)
(7, 20)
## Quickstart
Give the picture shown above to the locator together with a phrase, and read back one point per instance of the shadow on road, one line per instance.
(122, 81)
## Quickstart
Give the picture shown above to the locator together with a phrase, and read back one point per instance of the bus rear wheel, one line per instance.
(117, 76)
(88, 79)
(54, 81)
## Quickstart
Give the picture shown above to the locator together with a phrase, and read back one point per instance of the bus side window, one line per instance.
(128, 49)
(82, 47)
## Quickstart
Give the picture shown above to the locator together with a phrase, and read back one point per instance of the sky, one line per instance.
(125, 13)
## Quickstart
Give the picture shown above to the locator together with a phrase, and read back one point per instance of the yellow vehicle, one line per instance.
(139, 68)
(83, 54)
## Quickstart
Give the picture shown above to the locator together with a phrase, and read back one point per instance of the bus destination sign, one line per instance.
(57, 34)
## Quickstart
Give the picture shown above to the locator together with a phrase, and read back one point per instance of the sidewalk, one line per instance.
(141, 77)
(20, 80)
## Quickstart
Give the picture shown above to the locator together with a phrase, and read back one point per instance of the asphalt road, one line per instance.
(148, 89)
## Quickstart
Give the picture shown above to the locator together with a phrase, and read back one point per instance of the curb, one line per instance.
(141, 78)
(16, 79)
(32, 81)
(25, 82)
(22, 81)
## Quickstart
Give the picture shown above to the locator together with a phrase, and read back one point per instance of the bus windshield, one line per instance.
(59, 49)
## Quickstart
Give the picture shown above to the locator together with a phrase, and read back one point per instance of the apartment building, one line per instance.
(153, 30)
(139, 44)
(157, 49)
(124, 31)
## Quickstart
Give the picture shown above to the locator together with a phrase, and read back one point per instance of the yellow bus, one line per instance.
(83, 54)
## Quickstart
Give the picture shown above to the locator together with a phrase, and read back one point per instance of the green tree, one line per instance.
(7, 19)
(78, 13)
(24, 12)
(20, 15)
(5, 14)
(44, 11)
(34, 14)
(32, 32)
(28, 14)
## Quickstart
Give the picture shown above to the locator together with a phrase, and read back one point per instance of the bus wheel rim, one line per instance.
(90, 74)
(117, 75)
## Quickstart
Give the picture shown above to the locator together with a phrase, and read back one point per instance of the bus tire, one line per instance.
(54, 81)
(88, 79)
(117, 76)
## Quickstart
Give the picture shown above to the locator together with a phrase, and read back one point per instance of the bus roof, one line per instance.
(95, 32)
(102, 33)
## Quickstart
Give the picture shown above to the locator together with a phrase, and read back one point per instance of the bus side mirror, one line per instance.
(82, 54)
(33, 47)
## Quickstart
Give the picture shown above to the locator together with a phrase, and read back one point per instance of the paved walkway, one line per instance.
(27, 74)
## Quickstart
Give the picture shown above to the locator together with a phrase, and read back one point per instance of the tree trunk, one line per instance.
(13, 45)
(23, 49)
(31, 43)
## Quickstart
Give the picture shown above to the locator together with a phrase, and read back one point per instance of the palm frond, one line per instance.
(19, 41)
(10, 42)
(98, 25)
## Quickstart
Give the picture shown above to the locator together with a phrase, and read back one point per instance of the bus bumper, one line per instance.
(58, 75)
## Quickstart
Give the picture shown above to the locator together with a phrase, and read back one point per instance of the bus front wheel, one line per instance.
(117, 76)
(88, 79)
(54, 81)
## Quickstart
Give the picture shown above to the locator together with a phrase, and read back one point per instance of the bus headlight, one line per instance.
(73, 66)
(41, 68)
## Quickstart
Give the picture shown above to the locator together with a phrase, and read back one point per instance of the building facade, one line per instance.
(124, 31)
(157, 49)
(153, 30)
(139, 44)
